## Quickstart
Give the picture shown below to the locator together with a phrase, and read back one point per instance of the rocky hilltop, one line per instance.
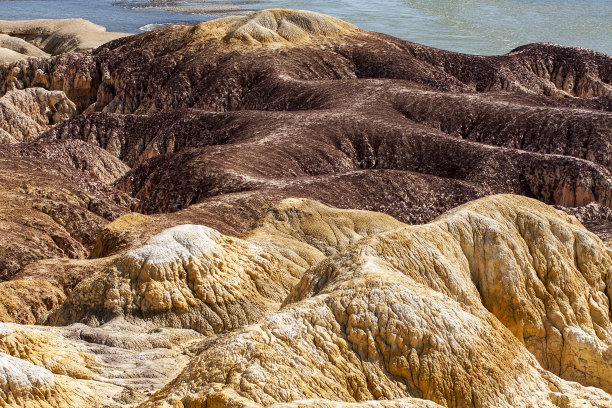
(284, 210)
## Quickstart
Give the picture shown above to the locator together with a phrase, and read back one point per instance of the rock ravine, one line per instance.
(283, 210)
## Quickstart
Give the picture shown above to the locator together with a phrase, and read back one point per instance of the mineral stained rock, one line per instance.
(151, 225)
(294, 104)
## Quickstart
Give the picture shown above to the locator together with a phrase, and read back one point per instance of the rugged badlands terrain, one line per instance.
(284, 210)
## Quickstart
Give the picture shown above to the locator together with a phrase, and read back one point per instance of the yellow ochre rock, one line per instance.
(501, 302)
(274, 26)
(429, 312)
(191, 276)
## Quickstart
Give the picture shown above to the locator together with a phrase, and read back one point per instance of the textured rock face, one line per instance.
(276, 26)
(50, 207)
(115, 365)
(294, 104)
(186, 276)
(193, 277)
(55, 198)
(503, 301)
(41, 286)
(455, 312)
(24, 115)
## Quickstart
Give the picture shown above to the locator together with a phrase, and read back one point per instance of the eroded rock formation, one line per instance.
(495, 303)
(25, 114)
(153, 233)
(283, 104)
(55, 199)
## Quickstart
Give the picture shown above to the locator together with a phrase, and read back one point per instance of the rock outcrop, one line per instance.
(13, 49)
(286, 103)
(50, 206)
(499, 302)
(114, 365)
(55, 198)
(191, 276)
(25, 114)
(503, 301)
(465, 311)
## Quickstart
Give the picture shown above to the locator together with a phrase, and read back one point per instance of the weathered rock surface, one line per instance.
(485, 306)
(55, 198)
(51, 206)
(496, 303)
(13, 49)
(24, 115)
(227, 291)
(283, 104)
(43, 285)
(114, 365)
(7, 55)
(193, 277)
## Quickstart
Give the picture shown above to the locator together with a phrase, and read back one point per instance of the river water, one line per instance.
(471, 26)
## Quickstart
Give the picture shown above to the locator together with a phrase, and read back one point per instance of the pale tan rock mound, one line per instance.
(59, 36)
(21, 46)
(279, 26)
(25, 114)
(302, 232)
(187, 276)
(194, 277)
(7, 55)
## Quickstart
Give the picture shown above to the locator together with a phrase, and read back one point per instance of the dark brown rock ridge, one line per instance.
(283, 104)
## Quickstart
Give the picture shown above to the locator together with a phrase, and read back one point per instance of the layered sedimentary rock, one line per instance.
(40, 286)
(282, 104)
(155, 220)
(55, 199)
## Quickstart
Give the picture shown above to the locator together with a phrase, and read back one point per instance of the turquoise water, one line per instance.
(472, 26)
